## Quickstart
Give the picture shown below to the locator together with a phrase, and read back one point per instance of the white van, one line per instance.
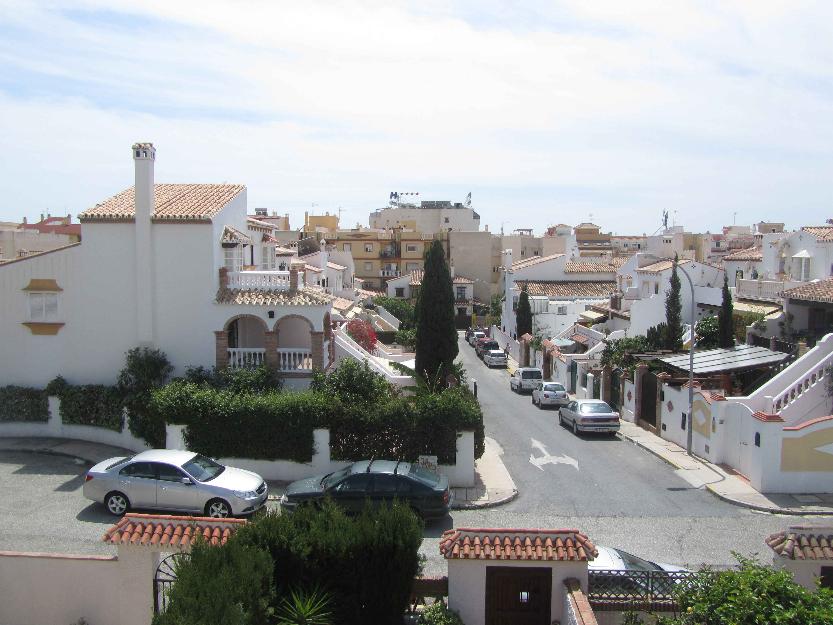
(525, 379)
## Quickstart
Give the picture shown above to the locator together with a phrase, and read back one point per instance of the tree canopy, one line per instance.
(674, 312)
(523, 316)
(726, 333)
(436, 338)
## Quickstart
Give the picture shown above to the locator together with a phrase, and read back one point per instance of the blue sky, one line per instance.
(547, 112)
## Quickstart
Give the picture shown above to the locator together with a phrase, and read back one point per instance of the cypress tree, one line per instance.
(724, 317)
(523, 316)
(674, 312)
(436, 335)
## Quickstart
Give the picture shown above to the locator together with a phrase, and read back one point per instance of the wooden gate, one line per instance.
(648, 401)
(615, 388)
(573, 374)
(518, 595)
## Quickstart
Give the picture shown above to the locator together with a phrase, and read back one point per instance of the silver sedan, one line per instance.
(170, 479)
(550, 394)
(589, 415)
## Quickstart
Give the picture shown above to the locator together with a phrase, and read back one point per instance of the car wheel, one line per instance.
(217, 509)
(117, 503)
(575, 427)
(560, 419)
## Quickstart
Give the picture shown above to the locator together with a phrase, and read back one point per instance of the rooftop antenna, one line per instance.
(734, 215)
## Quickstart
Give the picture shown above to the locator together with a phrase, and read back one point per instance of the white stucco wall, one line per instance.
(805, 572)
(467, 585)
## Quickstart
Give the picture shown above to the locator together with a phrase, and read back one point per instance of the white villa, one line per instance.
(179, 267)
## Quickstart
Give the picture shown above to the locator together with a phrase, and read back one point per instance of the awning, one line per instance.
(802, 254)
(592, 315)
(757, 309)
(725, 360)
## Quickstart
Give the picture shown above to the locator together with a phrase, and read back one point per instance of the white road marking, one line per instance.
(547, 458)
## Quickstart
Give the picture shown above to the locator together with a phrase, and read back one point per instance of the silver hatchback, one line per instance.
(171, 479)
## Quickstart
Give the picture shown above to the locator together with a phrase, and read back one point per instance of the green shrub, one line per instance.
(406, 338)
(439, 614)
(322, 547)
(23, 404)
(305, 608)
(144, 370)
(399, 308)
(265, 426)
(254, 380)
(353, 383)
(227, 584)
(91, 404)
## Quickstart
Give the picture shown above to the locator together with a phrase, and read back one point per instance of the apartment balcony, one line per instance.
(764, 290)
(261, 280)
(389, 253)
(389, 273)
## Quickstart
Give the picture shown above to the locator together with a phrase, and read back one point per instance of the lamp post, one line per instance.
(690, 420)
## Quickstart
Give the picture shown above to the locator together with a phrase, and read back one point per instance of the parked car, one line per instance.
(550, 394)
(589, 415)
(172, 479)
(612, 559)
(426, 492)
(525, 379)
(495, 358)
(475, 336)
(484, 345)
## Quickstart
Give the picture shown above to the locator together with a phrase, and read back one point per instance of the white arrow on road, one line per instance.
(547, 458)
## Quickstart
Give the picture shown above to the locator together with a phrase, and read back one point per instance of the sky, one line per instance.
(719, 111)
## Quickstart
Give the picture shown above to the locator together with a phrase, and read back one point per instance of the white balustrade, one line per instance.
(768, 290)
(260, 280)
(294, 359)
(246, 357)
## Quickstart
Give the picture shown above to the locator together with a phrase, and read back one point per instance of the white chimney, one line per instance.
(144, 158)
(324, 256)
(451, 269)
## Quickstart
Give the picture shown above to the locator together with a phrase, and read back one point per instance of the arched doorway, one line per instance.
(246, 335)
(295, 344)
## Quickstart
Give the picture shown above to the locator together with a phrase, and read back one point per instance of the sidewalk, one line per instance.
(724, 484)
(494, 485)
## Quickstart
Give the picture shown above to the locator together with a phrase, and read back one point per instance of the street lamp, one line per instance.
(690, 420)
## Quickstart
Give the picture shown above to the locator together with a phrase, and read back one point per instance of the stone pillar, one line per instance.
(293, 279)
(270, 342)
(223, 278)
(317, 349)
(605, 390)
(772, 341)
(221, 348)
(662, 379)
(639, 373)
(750, 337)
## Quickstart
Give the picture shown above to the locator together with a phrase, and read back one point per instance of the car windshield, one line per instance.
(424, 475)
(553, 387)
(531, 375)
(632, 563)
(203, 469)
(596, 408)
(331, 479)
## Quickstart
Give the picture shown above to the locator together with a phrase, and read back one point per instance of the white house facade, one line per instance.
(171, 266)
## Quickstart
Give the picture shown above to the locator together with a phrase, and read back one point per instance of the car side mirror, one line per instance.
(187, 481)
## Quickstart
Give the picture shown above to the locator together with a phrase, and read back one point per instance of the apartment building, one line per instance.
(428, 216)
(18, 240)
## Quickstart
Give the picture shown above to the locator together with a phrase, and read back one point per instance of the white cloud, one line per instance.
(575, 106)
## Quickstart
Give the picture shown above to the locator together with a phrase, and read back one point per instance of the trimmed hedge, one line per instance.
(93, 404)
(266, 426)
(18, 403)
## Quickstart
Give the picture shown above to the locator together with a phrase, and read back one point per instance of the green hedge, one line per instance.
(266, 426)
(93, 404)
(23, 404)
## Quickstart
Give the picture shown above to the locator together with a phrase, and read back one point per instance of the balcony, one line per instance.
(290, 360)
(389, 273)
(260, 280)
(764, 290)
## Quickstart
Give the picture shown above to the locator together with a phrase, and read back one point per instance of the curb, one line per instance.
(48, 452)
(491, 503)
(726, 498)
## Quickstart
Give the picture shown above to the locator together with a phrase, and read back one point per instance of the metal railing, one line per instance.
(636, 590)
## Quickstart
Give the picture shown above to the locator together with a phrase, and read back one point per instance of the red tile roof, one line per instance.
(566, 289)
(55, 225)
(752, 253)
(174, 203)
(590, 267)
(416, 278)
(170, 531)
(534, 260)
(820, 291)
(516, 544)
(803, 543)
(822, 233)
(579, 338)
(661, 265)
(767, 418)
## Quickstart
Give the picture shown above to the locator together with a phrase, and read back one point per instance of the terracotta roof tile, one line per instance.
(302, 297)
(516, 544)
(534, 260)
(174, 202)
(590, 267)
(752, 253)
(817, 291)
(416, 278)
(233, 235)
(178, 532)
(803, 543)
(767, 418)
(565, 289)
(580, 338)
(662, 265)
(822, 233)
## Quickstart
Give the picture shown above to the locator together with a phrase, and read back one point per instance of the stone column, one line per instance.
(772, 341)
(293, 279)
(639, 373)
(221, 348)
(270, 342)
(605, 390)
(317, 349)
(223, 277)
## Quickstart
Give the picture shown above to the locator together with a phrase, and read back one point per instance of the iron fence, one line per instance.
(637, 590)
